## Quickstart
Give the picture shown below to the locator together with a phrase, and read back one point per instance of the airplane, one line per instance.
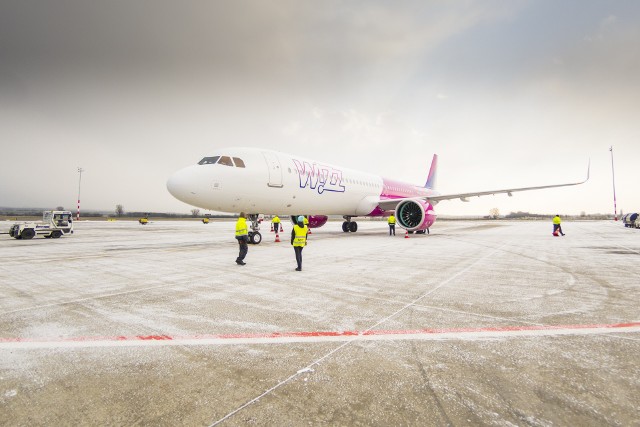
(260, 181)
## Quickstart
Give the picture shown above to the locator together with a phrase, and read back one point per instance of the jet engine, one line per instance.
(315, 221)
(415, 215)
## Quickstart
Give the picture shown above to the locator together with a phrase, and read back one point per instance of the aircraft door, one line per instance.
(275, 171)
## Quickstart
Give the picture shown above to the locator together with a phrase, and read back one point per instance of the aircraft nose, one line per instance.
(179, 185)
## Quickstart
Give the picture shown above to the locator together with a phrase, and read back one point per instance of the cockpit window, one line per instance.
(222, 160)
(225, 160)
(209, 160)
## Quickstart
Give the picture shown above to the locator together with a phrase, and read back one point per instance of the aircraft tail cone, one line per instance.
(277, 238)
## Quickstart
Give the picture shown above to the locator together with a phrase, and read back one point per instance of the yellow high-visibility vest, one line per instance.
(300, 238)
(241, 227)
(392, 219)
(556, 220)
(276, 220)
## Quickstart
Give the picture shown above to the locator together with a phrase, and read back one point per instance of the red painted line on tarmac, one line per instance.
(316, 334)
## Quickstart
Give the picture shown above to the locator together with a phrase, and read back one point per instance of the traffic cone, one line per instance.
(271, 228)
(277, 237)
(406, 234)
(281, 230)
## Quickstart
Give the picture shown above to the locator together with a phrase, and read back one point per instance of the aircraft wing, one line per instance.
(390, 204)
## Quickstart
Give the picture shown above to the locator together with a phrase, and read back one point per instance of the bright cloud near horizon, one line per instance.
(507, 93)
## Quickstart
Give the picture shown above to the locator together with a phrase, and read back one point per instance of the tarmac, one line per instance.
(479, 323)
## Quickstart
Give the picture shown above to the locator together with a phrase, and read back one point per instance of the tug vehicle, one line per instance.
(54, 225)
(630, 219)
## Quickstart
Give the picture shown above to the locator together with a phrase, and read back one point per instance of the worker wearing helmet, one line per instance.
(242, 235)
(299, 239)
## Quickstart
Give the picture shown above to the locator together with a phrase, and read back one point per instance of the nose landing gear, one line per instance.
(254, 235)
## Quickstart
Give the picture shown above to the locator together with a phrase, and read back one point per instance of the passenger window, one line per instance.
(209, 160)
(239, 163)
(225, 160)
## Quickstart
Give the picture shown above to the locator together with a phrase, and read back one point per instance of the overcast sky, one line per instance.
(507, 93)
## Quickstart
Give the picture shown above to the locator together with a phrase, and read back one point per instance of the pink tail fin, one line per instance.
(432, 178)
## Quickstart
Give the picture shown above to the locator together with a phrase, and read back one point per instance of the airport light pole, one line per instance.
(80, 170)
(613, 175)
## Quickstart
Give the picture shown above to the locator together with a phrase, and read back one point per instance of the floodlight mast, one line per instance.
(80, 170)
(613, 175)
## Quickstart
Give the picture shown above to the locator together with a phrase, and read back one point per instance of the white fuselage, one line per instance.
(274, 182)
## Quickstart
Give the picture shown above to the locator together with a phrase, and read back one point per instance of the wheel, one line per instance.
(353, 226)
(56, 234)
(255, 238)
(345, 226)
(28, 233)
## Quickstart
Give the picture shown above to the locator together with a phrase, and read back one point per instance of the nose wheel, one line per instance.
(254, 235)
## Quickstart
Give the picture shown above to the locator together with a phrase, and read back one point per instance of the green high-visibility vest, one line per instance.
(300, 238)
(241, 227)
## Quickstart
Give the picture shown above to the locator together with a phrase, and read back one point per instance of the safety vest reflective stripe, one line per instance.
(301, 235)
(241, 227)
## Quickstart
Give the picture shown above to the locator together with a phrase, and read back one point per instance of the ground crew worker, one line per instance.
(299, 240)
(276, 223)
(242, 235)
(556, 226)
(392, 224)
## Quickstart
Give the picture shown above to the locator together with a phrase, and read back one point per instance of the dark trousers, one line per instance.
(556, 227)
(298, 250)
(244, 248)
(392, 229)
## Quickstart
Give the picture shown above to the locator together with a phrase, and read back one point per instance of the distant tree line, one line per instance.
(195, 213)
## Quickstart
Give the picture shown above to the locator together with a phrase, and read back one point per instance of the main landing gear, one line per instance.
(254, 235)
(348, 225)
(419, 231)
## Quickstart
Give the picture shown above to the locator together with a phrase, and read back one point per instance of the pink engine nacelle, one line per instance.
(315, 221)
(415, 215)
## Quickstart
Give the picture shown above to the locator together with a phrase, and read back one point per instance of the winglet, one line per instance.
(588, 169)
(432, 178)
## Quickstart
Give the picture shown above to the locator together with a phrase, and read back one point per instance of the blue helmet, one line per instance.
(300, 219)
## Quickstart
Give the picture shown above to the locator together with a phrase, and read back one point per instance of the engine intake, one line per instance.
(415, 215)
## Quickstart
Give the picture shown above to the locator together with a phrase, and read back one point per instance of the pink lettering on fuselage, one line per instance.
(320, 177)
